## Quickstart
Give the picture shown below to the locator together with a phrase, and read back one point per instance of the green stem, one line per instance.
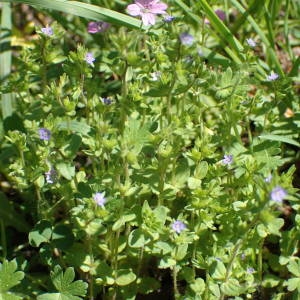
(3, 240)
(176, 292)
(91, 279)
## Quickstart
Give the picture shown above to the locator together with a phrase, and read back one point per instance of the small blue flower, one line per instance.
(89, 58)
(106, 101)
(186, 39)
(250, 270)
(178, 226)
(251, 42)
(45, 134)
(168, 19)
(278, 194)
(47, 31)
(100, 199)
(273, 76)
(228, 159)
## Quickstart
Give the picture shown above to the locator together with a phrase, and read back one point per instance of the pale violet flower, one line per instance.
(251, 42)
(220, 13)
(228, 159)
(89, 58)
(47, 31)
(147, 9)
(94, 27)
(278, 194)
(273, 76)
(186, 39)
(178, 226)
(51, 176)
(250, 270)
(100, 199)
(45, 134)
(168, 19)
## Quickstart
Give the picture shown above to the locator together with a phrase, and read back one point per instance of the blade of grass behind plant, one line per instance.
(223, 32)
(5, 58)
(262, 36)
(84, 10)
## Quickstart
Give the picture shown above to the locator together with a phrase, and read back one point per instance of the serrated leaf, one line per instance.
(9, 277)
(66, 287)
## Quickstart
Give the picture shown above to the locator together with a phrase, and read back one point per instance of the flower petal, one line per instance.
(134, 10)
(148, 19)
(158, 8)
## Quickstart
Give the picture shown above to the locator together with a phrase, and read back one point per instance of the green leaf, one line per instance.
(279, 138)
(125, 277)
(62, 237)
(294, 267)
(223, 32)
(275, 225)
(6, 57)
(75, 126)
(262, 230)
(66, 170)
(138, 239)
(232, 287)
(201, 170)
(41, 233)
(180, 252)
(9, 277)
(292, 284)
(105, 273)
(88, 11)
(198, 286)
(218, 270)
(135, 136)
(67, 288)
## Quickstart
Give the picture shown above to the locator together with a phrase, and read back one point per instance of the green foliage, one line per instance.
(67, 288)
(161, 162)
(9, 278)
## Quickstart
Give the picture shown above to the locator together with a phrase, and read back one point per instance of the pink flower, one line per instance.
(147, 9)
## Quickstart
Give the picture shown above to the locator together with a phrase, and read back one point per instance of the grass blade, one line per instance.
(223, 32)
(5, 58)
(261, 34)
(279, 138)
(84, 10)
